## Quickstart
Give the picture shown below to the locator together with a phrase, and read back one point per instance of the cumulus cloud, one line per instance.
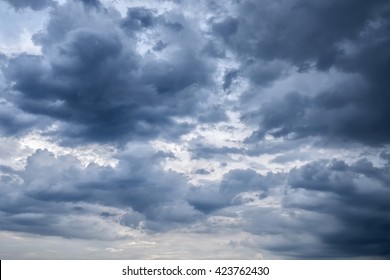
(93, 79)
(323, 210)
(289, 29)
(51, 189)
(355, 196)
(316, 37)
(350, 199)
(264, 124)
(234, 184)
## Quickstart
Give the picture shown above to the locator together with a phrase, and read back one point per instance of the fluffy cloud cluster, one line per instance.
(50, 190)
(346, 36)
(101, 85)
(262, 122)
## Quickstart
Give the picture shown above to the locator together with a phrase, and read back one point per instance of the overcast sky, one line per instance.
(181, 129)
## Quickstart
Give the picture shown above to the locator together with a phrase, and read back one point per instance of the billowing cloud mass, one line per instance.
(110, 91)
(346, 36)
(172, 123)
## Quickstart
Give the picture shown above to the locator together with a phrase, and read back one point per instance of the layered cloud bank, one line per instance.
(174, 129)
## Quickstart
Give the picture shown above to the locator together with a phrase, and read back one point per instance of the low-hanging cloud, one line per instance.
(92, 78)
(317, 37)
(262, 122)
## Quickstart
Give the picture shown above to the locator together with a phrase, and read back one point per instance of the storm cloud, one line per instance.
(91, 77)
(317, 36)
(356, 197)
(174, 129)
(53, 189)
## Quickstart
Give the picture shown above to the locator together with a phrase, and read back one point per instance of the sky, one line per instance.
(178, 129)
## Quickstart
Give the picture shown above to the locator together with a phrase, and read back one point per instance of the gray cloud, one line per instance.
(138, 18)
(229, 77)
(94, 3)
(329, 209)
(317, 37)
(202, 171)
(350, 200)
(207, 152)
(49, 188)
(289, 30)
(209, 198)
(143, 74)
(35, 5)
(13, 120)
(91, 77)
(355, 196)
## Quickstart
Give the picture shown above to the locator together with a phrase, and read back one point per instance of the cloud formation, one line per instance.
(317, 36)
(34, 5)
(167, 125)
(92, 78)
(51, 190)
(356, 197)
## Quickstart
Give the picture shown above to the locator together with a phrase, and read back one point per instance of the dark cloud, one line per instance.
(296, 30)
(209, 198)
(159, 46)
(138, 18)
(35, 5)
(14, 121)
(214, 49)
(319, 176)
(94, 3)
(282, 118)
(385, 155)
(207, 152)
(91, 77)
(349, 200)
(330, 209)
(107, 78)
(238, 181)
(47, 191)
(290, 157)
(229, 77)
(226, 28)
(342, 114)
(317, 36)
(356, 196)
(263, 73)
(202, 171)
